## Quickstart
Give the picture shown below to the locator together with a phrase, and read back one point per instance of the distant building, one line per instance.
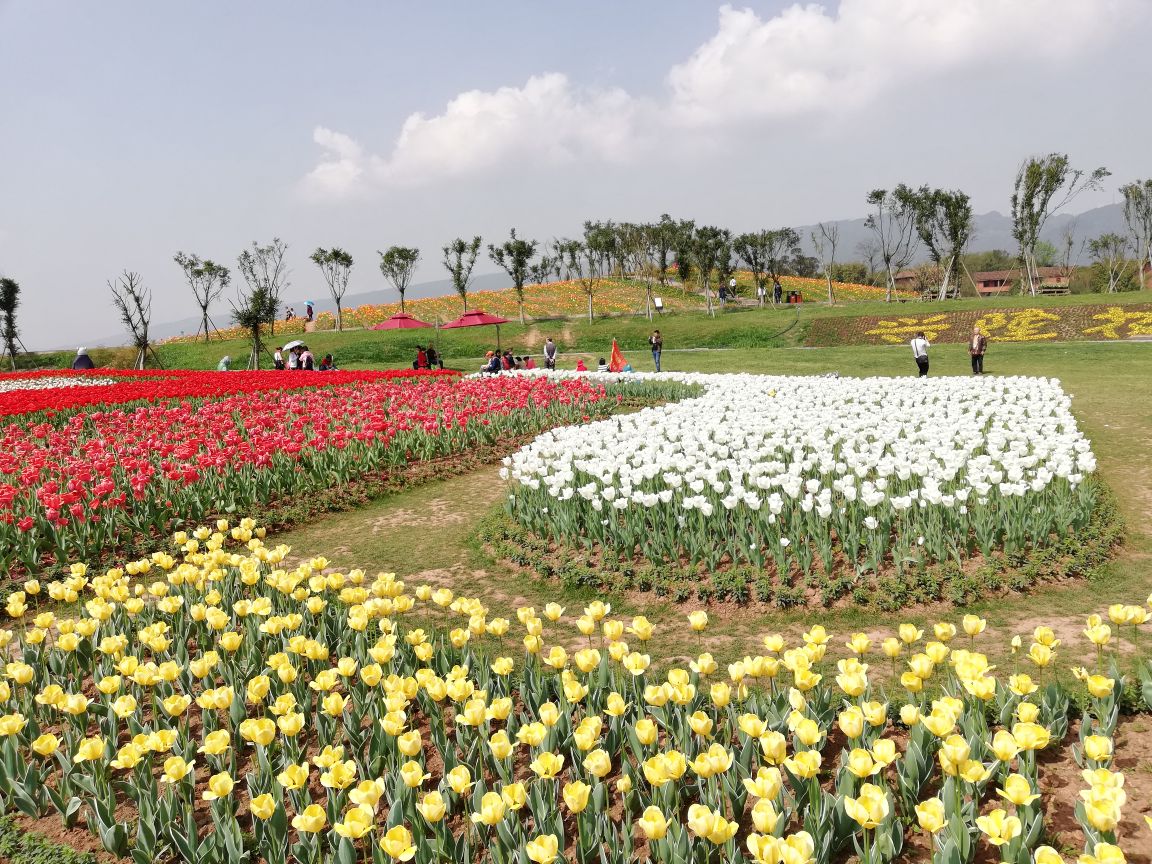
(906, 280)
(992, 283)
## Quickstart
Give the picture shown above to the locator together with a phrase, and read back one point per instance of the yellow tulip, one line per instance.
(870, 808)
(860, 764)
(766, 784)
(492, 809)
(712, 826)
(340, 776)
(1100, 686)
(219, 786)
(1031, 736)
(176, 769)
(1098, 748)
(653, 824)
(432, 807)
(397, 844)
(89, 750)
(805, 764)
(576, 795)
(263, 806)
(543, 849)
(1018, 790)
(999, 827)
(774, 747)
(930, 815)
(1004, 746)
(698, 620)
(357, 822)
(294, 777)
(46, 744)
(514, 795)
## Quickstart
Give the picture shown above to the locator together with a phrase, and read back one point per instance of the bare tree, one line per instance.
(514, 257)
(134, 303)
(398, 265)
(869, 252)
(459, 259)
(1111, 251)
(1138, 215)
(1044, 184)
(207, 279)
(541, 271)
(638, 247)
(825, 240)
(336, 266)
(894, 225)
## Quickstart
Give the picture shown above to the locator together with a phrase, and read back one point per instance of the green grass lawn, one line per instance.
(745, 328)
(426, 534)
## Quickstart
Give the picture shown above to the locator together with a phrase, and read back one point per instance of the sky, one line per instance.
(130, 130)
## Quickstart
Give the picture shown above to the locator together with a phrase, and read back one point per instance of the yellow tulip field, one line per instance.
(220, 700)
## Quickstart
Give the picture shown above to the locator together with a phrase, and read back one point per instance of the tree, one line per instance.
(725, 263)
(825, 239)
(1110, 252)
(514, 257)
(265, 274)
(1044, 184)
(664, 236)
(708, 242)
(602, 240)
(765, 253)
(542, 270)
(336, 266)
(265, 266)
(398, 265)
(584, 264)
(1046, 254)
(459, 259)
(134, 303)
(894, 225)
(1138, 215)
(1069, 252)
(639, 248)
(207, 279)
(9, 300)
(944, 225)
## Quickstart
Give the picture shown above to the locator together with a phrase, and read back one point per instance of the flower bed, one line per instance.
(823, 485)
(226, 706)
(80, 483)
(27, 393)
(1065, 323)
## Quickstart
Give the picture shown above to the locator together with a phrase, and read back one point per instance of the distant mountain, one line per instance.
(992, 231)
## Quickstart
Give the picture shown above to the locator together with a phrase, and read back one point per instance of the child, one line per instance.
(602, 366)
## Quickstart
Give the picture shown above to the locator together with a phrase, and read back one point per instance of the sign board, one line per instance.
(658, 303)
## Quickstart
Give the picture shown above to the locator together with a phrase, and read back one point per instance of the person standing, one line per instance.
(920, 348)
(550, 352)
(656, 342)
(278, 359)
(976, 348)
(777, 291)
(307, 359)
(83, 361)
(761, 294)
(294, 358)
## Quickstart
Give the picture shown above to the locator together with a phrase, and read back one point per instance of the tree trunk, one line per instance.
(831, 298)
(890, 283)
(520, 302)
(944, 284)
(589, 307)
(401, 301)
(339, 318)
(648, 300)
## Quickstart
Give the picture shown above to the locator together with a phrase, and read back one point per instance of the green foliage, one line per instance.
(9, 300)
(514, 257)
(398, 265)
(20, 847)
(459, 259)
(336, 266)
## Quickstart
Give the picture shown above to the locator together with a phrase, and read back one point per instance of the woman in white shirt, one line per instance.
(920, 348)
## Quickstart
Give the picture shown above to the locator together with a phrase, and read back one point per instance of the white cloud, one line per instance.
(806, 60)
(547, 121)
(809, 59)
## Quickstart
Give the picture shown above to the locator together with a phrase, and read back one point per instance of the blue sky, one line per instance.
(134, 129)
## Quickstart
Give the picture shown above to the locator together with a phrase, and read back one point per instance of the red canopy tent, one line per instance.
(401, 321)
(477, 318)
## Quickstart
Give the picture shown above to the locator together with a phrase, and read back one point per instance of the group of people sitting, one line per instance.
(495, 361)
(427, 358)
(301, 357)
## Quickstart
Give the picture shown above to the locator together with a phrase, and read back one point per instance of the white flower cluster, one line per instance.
(878, 468)
(48, 382)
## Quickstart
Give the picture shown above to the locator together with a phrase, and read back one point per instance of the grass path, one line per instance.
(425, 535)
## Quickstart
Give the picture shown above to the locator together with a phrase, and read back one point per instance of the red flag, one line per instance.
(617, 363)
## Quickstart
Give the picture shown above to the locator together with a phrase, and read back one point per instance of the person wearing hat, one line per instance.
(492, 363)
(83, 361)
